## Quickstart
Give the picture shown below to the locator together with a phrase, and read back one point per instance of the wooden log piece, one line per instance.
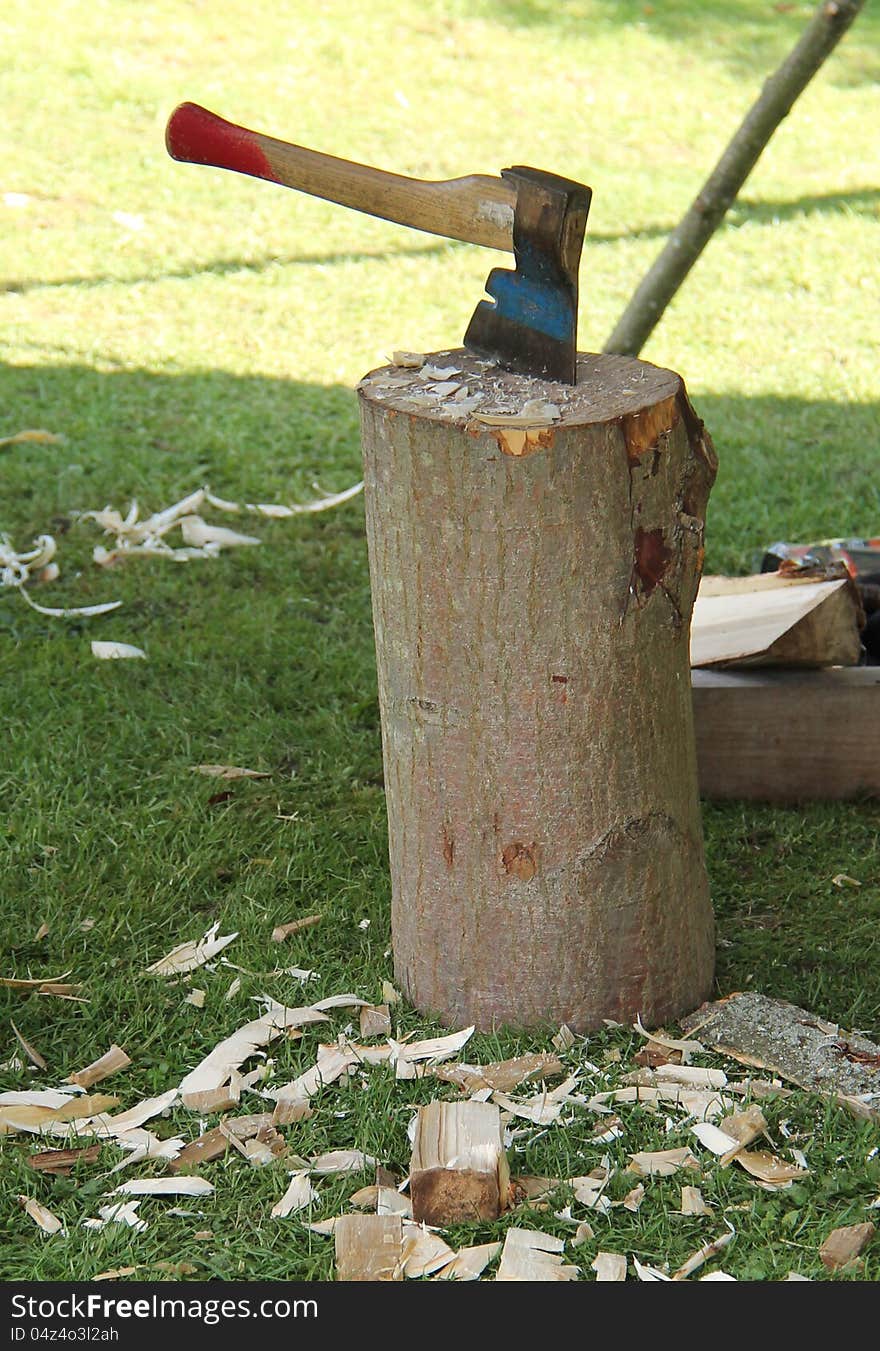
(535, 551)
(459, 1171)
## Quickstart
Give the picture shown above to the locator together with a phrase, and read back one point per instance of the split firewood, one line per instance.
(773, 619)
(531, 1256)
(842, 1246)
(114, 1059)
(368, 1247)
(459, 1170)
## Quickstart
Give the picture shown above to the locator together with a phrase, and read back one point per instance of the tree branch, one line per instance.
(684, 246)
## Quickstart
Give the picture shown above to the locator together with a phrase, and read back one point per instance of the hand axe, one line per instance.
(532, 325)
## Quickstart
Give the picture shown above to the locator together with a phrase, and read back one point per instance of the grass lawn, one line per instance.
(180, 326)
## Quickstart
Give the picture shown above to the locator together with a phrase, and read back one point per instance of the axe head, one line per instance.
(530, 325)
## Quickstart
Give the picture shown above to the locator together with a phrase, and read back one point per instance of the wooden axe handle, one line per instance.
(477, 209)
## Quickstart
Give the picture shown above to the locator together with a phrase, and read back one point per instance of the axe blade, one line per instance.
(530, 325)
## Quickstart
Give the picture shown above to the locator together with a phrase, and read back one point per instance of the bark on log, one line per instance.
(532, 590)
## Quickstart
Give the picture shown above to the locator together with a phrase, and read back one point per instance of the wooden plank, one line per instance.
(788, 736)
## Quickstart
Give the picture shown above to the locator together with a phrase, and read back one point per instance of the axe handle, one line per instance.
(477, 209)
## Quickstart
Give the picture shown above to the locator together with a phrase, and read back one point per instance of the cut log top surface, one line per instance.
(462, 389)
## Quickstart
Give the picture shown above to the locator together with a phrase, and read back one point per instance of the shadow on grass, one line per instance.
(222, 267)
(266, 656)
(789, 467)
(858, 202)
(745, 36)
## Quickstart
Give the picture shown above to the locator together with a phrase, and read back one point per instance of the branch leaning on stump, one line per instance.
(693, 232)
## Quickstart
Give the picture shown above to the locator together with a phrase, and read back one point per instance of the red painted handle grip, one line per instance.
(198, 136)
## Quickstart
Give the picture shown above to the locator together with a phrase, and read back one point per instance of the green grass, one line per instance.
(221, 343)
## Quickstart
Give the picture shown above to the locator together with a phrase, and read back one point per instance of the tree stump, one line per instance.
(535, 551)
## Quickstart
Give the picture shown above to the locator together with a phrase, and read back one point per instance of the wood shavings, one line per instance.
(31, 436)
(692, 1202)
(589, 1189)
(634, 1198)
(215, 1071)
(29, 1049)
(713, 1138)
(544, 1108)
(770, 1172)
(106, 651)
(646, 1273)
(41, 1215)
(40, 984)
(564, 1039)
(282, 931)
(408, 359)
(341, 1161)
(165, 1186)
(528, 1255)
(196, 997)
(389, 994)
(468, 1264)
(434, 1049)
(146, 538)
(375, 1020)
(609, 1266)
(422, 1252)
(74, 1112)
(703, 1255)
(135, 1117)
(686, 1047)
(300, 1194)
(502, 1075)
(744, 1128)
(18, 568)
(110, 1063)
(122, 1212)
(192, 954)
(229, 772)
(534, 413)
(583, 1234)
(662, 1162)
(842, 1246)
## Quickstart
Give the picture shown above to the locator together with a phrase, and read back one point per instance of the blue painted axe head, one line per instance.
(530, 325)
